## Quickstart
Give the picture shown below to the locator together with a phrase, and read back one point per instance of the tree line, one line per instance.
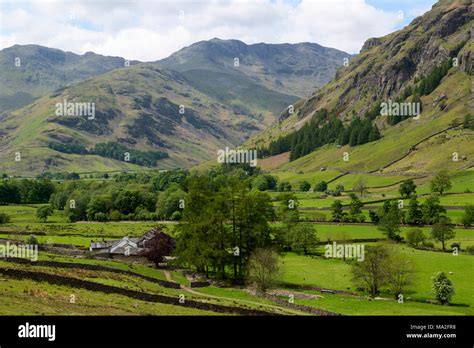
(112, 150)
(324, 129)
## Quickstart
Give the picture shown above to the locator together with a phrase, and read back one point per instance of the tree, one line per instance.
(417, 100)
(374, 134)
(303, 237)
(4, 218)
(414, 215)
(98, 208)
(389, 223)
(321, 186)
(443, 231)
(432, 210)
(354, 136)
(36, 191)
(10, 192)
(374, 217)
(42, 213)
(305, 186)
(222, 223)
(441, 182)
(260, 183)
(76, 207)
(58, 200)
(360, 187)
(415, 236)
(443, 288)
(170, 201)
(287, 210)
(371, 272)
(164, 179)
(127, 201)
(263, 268)
(338, 190)
(468, 122)
(468, 216)
(355, 209)
(159, 246)
(337, 213)
(399, 272)
(284, 186)
(407, 188)
(271, 181)
(32, 240)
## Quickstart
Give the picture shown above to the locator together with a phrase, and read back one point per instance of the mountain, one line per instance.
(161, 116)
(32, 71)
(292, 69)
(429, 61)
(141, 108)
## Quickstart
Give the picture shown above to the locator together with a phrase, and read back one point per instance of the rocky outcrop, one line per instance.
(385, 66)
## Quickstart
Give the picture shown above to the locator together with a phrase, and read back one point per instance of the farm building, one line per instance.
(125, 247)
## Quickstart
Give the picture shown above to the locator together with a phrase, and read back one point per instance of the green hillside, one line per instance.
(138, 107)
(32, 71)
(393, 68)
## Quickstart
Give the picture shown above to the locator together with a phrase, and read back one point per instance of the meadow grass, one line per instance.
(337, 274)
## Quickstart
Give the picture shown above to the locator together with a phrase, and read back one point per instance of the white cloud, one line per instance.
(149, 30)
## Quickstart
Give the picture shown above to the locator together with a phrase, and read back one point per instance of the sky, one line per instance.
(149, 30)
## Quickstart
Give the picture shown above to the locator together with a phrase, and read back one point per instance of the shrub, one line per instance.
(42, 213)
(284, 186)
(176, 216)
(415, 236)
(443, 288)
(102, 217)
(470, 249)
(305, 186)
(374, 217)
(361, 218)
(4, 218)
(260, 183)
(115, 215)
(263, 268)
(321, 186)
(468, 216)
(456, 245)
(428, 244)
(32, 240)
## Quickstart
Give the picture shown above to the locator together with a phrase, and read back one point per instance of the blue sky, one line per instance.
(407, 6)
(150, 30)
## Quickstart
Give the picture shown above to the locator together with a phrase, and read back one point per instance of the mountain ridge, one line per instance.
(32, 71)
(260, 60)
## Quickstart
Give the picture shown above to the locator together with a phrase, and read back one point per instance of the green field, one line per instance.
(336, 274)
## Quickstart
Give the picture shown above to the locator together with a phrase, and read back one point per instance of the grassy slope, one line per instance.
(336, 274)
(27, 129)
(398, 139)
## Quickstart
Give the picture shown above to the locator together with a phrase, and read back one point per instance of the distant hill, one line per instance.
(141, 107)
(292, 69)
(32, 71)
